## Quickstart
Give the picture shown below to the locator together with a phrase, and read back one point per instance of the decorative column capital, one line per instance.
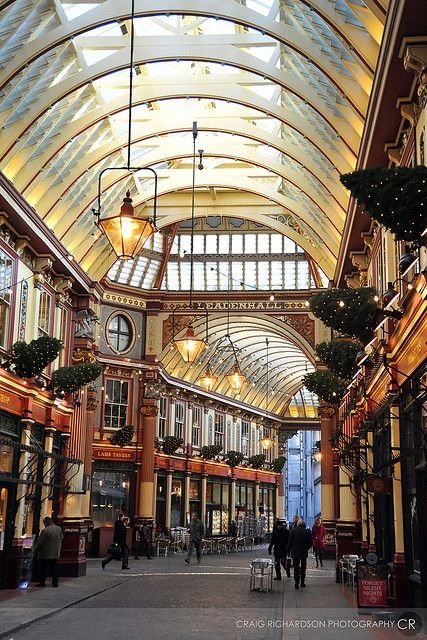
(149, 410)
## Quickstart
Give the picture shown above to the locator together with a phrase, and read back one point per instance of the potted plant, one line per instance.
(257, 461)
(278, 464)
(211, 451)
(352, 312)
(171, 444)
(29, 360)
(395, 198)
(123, 437)
(326, 385)
(69, 379)
(340, 356)
(233, 458)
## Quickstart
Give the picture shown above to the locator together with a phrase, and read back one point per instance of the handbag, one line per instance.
(114, 550)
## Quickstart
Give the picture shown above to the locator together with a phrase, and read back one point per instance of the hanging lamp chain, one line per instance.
(131, 71)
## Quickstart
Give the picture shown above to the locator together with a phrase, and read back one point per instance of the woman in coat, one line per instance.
(318, 533)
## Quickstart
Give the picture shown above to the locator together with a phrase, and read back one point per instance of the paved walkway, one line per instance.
(165, 599)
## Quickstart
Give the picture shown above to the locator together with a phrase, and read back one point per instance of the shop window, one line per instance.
(119, 333)
(116, 403)
(5, 297)
(163, 416)
(43, 321)
(245, 438)
(179, 419)
(219, 429)
(110, 496)
(176, 502)
(195, 432)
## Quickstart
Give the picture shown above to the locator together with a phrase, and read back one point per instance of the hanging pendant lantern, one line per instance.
(207, 380)
(236, 379)
(126, 233)
(266, 442)
(190, 347)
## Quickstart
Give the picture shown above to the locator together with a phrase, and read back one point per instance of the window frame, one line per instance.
(219, 429)
(132, 331)
(6, 343)
(163, 417)
(127, 417)
(179, 433)
(196, 431)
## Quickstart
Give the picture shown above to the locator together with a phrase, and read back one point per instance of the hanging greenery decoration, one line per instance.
(257, 461)
(352, 312)
(278, 464)
(340, 357)
(29, 360)
(234, 458)
(123, 437)
(171, 444)
(396, 198)
(326, 385)
(69, 379)
(210, 451)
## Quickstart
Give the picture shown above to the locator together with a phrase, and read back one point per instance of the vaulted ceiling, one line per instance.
(279, 90)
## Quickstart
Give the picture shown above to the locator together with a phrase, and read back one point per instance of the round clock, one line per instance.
(371, 558)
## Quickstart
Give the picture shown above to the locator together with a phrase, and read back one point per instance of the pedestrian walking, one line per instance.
(144, 545)
(197, 530)
(279, 545)
(300, 542)
(48, 550)
(318, 533)
(232, 531)
(294, 521)
(119, 539)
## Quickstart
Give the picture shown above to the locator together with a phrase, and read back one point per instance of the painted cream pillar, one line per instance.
(48, 468)
(204, 488)
(21, 520)
(168, 498)
(327, 472)
(233, 499)
(149, 412)
(187, 514)
(280, 498)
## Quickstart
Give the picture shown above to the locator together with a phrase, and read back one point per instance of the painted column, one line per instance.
(48, 469)
(204, 487)
(233, 497)
(154, 492)
(399, 571)
(149, 411)
(326, 413)
(168, 499)
(346, 523)
(280, 497)
(187, 514)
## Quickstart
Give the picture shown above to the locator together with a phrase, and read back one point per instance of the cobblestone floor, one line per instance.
(166, 599)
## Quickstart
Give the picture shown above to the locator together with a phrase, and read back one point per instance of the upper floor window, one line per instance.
(6, 265)
(245, 438)
(119, 333)
(163, 416)
(179, 419)
(197, 421)
(116, 403)
(43, 321)
(219, 429)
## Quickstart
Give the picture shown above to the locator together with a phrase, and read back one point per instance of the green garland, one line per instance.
(123, 437)
(326, 385)
(233, 458)
(396, 198)
(278, 464)
(257, 461)
(171, 444)
(210, 451)
(352, 312)
(340, 357)
(29, 360)
(70, 379)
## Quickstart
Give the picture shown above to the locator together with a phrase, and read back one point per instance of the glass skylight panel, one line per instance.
(211, 276)
(198, 244)
(250, 243)
(223, 275)
(223, 244)
(289, 275)
(289, 245)
(263, 243)
(73, 11)
(276, 243)
(236, 243)
(250, 274)
(211, 243)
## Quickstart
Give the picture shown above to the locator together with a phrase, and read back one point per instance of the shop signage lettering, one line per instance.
(71, 530)
(243, 306)
(372, 585)
(4, 398)
(106, 454)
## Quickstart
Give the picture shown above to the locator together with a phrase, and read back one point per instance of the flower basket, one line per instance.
(211, 451)
(340, 357)
(257, 461)
(69, 379)
(278, 464)
(234, 458)
(171, 444)
(326, 385)
(29, 360)
(123, 437)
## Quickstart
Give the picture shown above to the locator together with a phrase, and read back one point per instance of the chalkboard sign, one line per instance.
(371, 585)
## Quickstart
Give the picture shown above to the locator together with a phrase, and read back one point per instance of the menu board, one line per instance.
(371, 585)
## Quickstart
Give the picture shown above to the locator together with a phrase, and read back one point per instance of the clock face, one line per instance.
(371, 558)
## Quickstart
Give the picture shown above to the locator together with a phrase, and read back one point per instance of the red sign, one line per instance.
(112, 454)
(372, 585)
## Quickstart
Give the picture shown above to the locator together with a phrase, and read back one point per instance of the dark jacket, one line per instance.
(197, 530)
(48, 545)
(299, 542)
(120, 531)
(279, 541)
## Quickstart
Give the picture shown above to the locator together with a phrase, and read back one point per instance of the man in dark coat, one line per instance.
(48, 550)
(300, 541)
(144, 546)
(197, 531)
(119, 538)
(279, 545)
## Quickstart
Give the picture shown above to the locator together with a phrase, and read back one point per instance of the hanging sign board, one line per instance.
(371, 585)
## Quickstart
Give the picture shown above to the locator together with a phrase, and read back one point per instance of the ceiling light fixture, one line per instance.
(126, 232)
